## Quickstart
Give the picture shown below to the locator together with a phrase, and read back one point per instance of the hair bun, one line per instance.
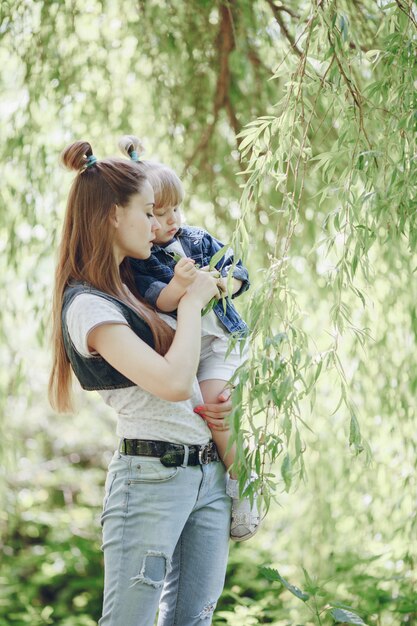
(131, 143)
(74, 156)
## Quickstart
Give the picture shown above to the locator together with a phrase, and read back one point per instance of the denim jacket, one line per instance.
(153, 274)
(94, 373)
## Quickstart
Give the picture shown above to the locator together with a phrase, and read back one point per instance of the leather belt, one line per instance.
(171, 454)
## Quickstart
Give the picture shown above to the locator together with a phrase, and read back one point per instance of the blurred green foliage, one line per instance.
(293, 125)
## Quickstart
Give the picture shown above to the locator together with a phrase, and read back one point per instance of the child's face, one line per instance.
(169, 219)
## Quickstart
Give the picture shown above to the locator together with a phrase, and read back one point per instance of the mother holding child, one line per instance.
(127, 321)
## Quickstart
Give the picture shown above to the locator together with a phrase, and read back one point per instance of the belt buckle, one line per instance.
(204, 455)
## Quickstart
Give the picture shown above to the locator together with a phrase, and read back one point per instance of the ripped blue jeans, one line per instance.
(165, 542)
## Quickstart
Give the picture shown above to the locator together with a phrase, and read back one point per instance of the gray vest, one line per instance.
(95, 373)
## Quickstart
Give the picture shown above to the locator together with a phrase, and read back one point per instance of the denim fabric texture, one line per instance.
(165, 542)
(95, 373)
(153, 274)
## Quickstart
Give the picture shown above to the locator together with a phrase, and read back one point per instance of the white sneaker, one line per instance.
(245, 518)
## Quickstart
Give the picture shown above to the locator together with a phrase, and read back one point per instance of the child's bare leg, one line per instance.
(211, 389)
(245, 515)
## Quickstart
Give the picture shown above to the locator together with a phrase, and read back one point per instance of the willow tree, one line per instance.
(293, 125)
(340, 148)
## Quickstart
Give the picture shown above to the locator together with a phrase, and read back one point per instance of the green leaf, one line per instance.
(311, 585)
(274, 576)
(270, 574)
(219, 255)
(318, 370)
(346, 617)
(286, 471)
(372, 54)
(298, 444)
(209, 306)
(355, 437)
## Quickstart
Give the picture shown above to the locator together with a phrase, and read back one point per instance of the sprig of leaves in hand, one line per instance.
(212, 266)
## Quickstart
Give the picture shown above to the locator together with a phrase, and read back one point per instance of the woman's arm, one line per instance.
(169, 377)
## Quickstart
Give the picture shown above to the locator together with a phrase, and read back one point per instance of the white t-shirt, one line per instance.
(140, 414)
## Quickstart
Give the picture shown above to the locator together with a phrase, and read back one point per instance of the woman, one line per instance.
(166, 514)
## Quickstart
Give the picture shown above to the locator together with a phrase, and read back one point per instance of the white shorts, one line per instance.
(213, 360)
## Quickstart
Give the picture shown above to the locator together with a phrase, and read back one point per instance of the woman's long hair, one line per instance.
(86, 252)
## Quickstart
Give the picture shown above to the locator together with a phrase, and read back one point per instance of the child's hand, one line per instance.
(215, 415)
(185, 272)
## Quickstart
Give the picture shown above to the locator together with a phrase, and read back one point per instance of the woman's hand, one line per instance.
(202, 289)
(221, 282)
(215, 415)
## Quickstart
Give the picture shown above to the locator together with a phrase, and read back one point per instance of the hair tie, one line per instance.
(134, 155)
(91, 160)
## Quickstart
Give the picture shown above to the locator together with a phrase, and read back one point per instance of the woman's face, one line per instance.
(135, 226)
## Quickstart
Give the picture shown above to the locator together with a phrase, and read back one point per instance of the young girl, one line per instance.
(162, 282)
(166, 514)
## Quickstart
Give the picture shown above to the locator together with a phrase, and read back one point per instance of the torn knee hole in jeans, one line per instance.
(207, 611)
(155, 567)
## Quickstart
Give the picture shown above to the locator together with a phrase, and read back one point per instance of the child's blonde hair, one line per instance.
(167, 187)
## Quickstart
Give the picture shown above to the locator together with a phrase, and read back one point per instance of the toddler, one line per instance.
(163, 279)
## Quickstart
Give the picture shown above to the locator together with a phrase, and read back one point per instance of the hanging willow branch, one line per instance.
(276, 10)
(226, 43)
(363, 155)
